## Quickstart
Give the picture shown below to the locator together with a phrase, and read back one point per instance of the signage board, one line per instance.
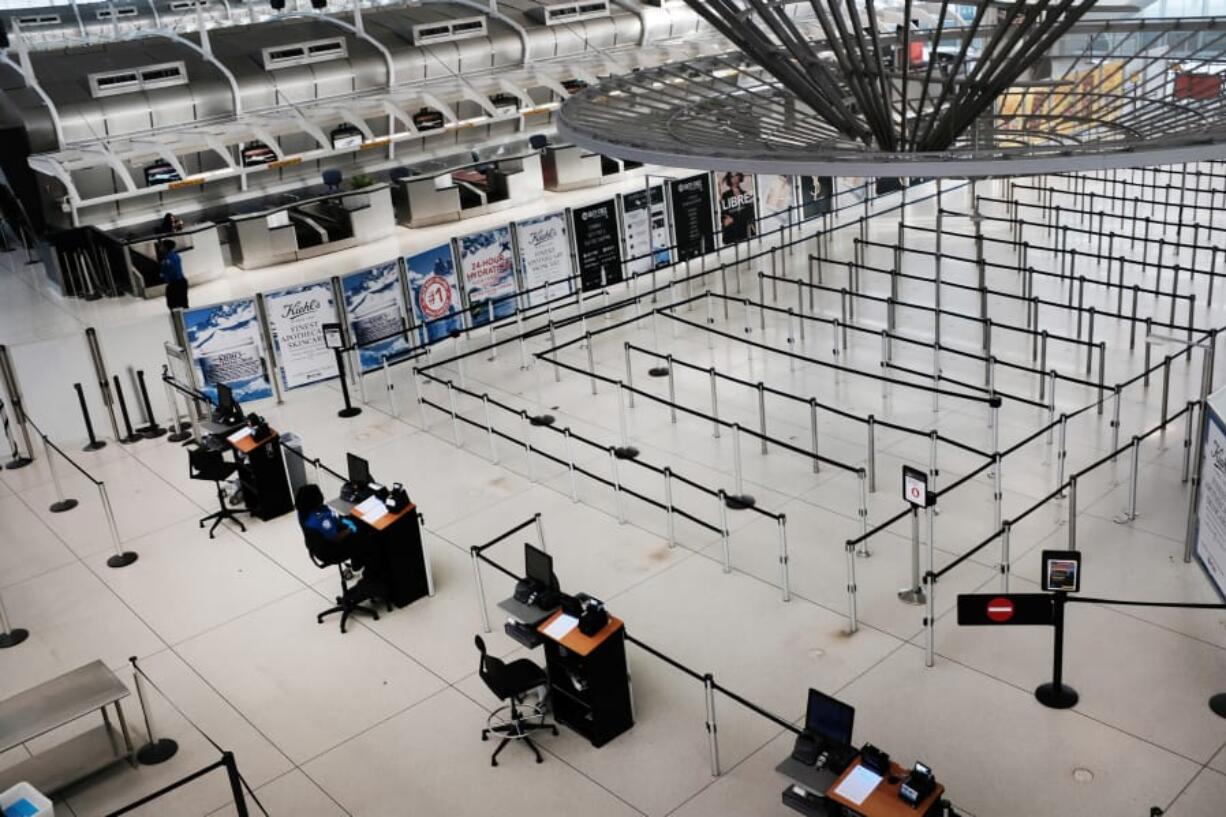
(1061, 571)
(1009, 609)
(915, 487)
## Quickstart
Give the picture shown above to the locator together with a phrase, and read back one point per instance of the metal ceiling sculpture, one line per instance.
(823, 89)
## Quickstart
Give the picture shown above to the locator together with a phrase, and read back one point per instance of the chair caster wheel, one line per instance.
(555, 731)
(485, 735)
(493, 762)
(540, 760)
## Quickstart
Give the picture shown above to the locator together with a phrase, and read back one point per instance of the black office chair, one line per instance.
(348, 603)
(211, 465)
(511, 683)
(325, 553)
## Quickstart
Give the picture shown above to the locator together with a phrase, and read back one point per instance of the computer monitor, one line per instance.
(359, 470)
(538, 566)
(829, 719)
(225, 401)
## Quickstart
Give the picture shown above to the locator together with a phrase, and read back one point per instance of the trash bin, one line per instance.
(23, 800)
(295, 465)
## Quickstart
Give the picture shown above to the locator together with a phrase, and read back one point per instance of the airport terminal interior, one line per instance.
(619, 408)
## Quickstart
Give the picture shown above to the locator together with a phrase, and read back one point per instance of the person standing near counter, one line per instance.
(171, 267)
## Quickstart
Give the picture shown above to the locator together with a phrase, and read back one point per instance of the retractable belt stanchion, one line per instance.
(94, 443)
(62, 503)
(13, 389)
(10, 636)
(104, 386)
(152, 430)
(178, 430)
(131, 436)
(157, 750)
(350, 410)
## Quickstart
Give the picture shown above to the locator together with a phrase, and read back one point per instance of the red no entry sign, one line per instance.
(990, 609)
(1000, 610)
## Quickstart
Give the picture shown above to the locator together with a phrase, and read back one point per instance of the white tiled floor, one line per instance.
(385, 720)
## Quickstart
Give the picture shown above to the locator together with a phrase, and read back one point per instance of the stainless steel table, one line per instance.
(83, 691)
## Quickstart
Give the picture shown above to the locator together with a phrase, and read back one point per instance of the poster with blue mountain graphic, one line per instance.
(227, 346)
(374, 305)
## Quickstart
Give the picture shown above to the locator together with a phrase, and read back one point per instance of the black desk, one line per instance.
(262, 476)
(589, 680)
(402, 562)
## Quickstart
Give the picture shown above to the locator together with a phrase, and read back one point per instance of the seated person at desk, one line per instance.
(337, 538)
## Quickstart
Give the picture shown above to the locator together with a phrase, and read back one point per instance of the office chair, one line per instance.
(332, 179)
(324, 554)
(510, 683)
(210, 465)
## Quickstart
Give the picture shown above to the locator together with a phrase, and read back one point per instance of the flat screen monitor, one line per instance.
(829, 719)
(225, 400)
(359, 470)
(346, 136)
(538, 566)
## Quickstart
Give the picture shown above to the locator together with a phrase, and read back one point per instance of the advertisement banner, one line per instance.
(645, 230)
(690, 214)
(374, 307)
(596, 244)
(487, 268)
(435, 292)
(1211, 504)
(738, 216)
(295, 320)
(776, 198)
(225, 345)
(544, 257)
(816, 196)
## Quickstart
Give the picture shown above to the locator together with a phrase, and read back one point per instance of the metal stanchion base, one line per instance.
(1056, 697)
(151, 754)
(121, 559)
(739, 502)
(131, 438)
(351, 411)
(625, 452)
(1217, 703)
(19, 462)
(13, 638)
(179, 436)
(912, 595)
(542, 420)
(63, 505)
(95, 445)
(151, 432)
(658, 371)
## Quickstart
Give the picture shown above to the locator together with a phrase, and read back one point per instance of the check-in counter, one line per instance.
(293, 227)
(434, 194)
(199, 247)
(570, 167)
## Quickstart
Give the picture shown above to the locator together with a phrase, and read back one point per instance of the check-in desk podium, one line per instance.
(262, 476)
(398, 535)
(883, 801)
(600, 710)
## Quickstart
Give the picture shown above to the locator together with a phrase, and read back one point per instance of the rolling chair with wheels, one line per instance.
(332, 179)
(347, 603)
(210, 465)
(326, 552)
(511, 683)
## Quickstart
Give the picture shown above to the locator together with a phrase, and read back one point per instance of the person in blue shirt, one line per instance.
(171, 267)
(336, 538)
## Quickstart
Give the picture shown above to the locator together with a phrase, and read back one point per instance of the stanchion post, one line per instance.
(722, 496)
(61, 503)
(784, 580)
(1072, 512)
(152, 430)
(853, 620)
(813, 434)
(10, 636)
(714, 403)
(157, 750)
(871, 427)
(482, 604)
(570, 466)
(914, 593)
(668, 507)
(863, 552)
(122, 558)
(1056, 694)
(708, 686)
(94, 443)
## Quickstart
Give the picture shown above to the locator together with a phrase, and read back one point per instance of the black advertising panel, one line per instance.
(738, 216)
(816, 196)
(693, 228)
(1006, 609)
(597, 245)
